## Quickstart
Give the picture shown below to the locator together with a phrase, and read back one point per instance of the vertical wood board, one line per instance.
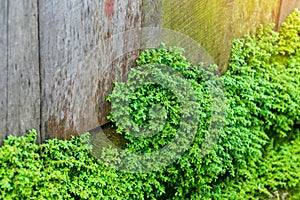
(22, 67)
(214, 23)
(84, 48)
(3, 68)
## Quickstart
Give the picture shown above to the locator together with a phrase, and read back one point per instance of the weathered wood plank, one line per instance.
(23, 89)
(3, 68)
(83, 50)
(287, 6)
(214, 23)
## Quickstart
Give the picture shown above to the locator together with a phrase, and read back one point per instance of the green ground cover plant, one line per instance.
(262, 85)
(256, 156)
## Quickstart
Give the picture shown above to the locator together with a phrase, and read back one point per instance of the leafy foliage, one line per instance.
(144, 93)
(60, 169)
(56, 169)
(190, 171)
(262, 83)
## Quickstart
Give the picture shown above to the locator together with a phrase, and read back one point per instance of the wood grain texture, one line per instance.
(84, 48)
(151, 13)
(214, 23)
(22, 77)
(287, 6)
(3, 67)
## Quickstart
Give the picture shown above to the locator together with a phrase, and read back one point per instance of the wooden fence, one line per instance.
(60, 58)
